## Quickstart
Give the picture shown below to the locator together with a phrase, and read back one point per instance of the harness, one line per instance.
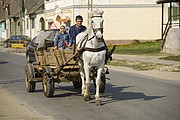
(83, 48)
(84, 41)
(95, 50)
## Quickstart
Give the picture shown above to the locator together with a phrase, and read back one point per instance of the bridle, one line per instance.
(97, 29)
(82, 44)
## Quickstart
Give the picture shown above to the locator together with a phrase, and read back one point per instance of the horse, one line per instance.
(93, 48)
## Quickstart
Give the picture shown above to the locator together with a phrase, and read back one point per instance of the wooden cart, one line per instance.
(52, 66)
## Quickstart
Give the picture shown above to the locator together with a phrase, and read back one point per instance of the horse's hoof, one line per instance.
(98, 103)
(86, 98)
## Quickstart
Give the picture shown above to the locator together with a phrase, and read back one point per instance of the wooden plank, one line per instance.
(71, 67)
(69, 55)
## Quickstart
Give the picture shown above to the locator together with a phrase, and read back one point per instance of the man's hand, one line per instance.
(69, 46)
(55, 47)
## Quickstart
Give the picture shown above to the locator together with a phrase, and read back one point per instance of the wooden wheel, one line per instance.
(29, 74)
(77, 84)
(48, 85)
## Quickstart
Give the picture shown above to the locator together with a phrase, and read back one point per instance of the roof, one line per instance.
(14, 8)
(2, 16)
(166, 1)
(34, 6)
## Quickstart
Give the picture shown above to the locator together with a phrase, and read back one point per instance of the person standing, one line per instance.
(75, 30)
(62, 39)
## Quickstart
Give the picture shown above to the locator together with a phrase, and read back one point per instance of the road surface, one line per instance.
(128, 96)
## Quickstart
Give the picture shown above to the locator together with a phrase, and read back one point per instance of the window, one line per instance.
(33, 23)
(27, 21)
(2, 3)
(41, 23)
(175, 11)
(58, 18)
(4, 26)
(19, 23)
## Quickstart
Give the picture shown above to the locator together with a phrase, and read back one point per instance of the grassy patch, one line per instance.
(172, 58)
(139, 48)
(144, 66)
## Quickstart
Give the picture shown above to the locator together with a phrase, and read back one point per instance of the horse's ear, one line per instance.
(101, 12)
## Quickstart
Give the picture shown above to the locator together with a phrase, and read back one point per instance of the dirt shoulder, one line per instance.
(152, 66)
(12, 108)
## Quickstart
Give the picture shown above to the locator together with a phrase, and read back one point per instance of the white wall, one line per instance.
(2, 31)
(33, 32)
(142, 23)
(123, 19)
(27, 23)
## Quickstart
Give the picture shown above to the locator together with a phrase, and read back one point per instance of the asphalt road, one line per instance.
(128, 96)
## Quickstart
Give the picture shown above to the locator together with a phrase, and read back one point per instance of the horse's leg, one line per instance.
(98, 83)
(83, 87)
(88, 82)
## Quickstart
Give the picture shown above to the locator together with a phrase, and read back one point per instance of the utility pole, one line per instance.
(90, 7)
(90, 4)
(21, 15)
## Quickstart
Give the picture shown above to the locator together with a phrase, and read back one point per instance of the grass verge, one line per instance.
(172, 58)
(139, 48)
(145, 66)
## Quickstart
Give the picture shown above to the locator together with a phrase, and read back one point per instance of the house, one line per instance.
(21, 17)
(3, 16)
(170, 31)
(34, 18)
(12, 12)
(124, 20)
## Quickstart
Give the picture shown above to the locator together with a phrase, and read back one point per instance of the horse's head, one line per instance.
(97, 24)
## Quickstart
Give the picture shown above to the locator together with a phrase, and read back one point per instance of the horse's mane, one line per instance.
(89, 28)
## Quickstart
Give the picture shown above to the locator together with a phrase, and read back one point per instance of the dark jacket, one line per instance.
(74, 31)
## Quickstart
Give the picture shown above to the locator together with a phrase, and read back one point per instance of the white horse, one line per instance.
(94, 52)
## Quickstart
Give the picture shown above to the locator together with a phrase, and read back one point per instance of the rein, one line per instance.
(97, 29)
(83, 42)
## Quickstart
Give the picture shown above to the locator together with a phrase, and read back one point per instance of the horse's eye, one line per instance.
(92, 21)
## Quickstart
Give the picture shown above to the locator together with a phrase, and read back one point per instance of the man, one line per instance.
(76, 29)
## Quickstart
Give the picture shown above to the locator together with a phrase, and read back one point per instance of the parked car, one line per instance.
(17, 41)
(47, 35)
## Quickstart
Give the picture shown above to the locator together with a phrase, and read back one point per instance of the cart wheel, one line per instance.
(77, 84)
(5, 45)
(103, 83)
(28, 59)
(48, 85)
(29, 74)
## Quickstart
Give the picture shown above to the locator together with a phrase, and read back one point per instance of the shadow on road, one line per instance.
(116, 94)
(3, 63)
(11, 81)
(67, 91)
(63, 91)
